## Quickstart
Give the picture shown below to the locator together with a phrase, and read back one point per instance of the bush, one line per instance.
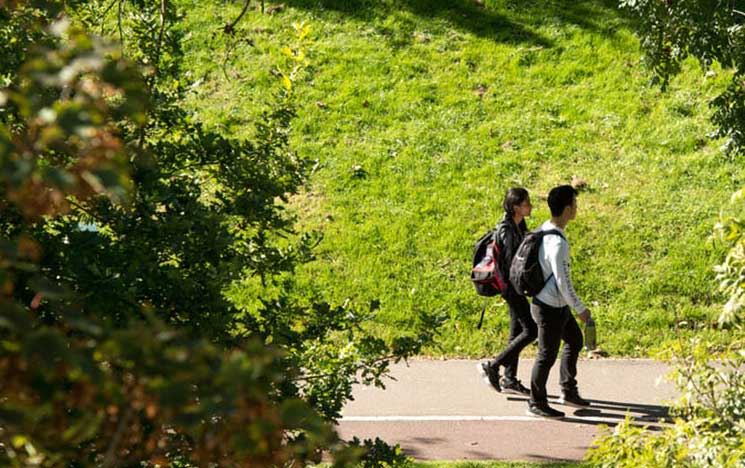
(708, 429)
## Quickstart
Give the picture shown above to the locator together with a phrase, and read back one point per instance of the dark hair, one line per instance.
(560, 197)
(514, 196)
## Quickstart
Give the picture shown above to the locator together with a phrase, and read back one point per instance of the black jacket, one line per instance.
(509, 237)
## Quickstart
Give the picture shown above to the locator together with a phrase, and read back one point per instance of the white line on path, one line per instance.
(463, 418)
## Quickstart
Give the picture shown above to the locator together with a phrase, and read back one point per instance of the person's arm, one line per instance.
(560, 267)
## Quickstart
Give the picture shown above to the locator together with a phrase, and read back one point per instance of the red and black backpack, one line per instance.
(486, 274)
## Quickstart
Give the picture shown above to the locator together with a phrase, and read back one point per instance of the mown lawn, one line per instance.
(421, 113)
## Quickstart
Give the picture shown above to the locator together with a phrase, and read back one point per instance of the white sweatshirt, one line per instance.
(554, 259)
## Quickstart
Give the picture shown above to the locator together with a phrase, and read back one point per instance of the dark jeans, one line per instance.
(523, 331)
(554, 325)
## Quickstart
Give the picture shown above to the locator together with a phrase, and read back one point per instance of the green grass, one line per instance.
(421, 113)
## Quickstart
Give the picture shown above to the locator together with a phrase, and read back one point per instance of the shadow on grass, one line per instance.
(511, 22)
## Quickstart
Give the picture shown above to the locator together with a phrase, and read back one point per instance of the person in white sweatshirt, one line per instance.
(550, 310)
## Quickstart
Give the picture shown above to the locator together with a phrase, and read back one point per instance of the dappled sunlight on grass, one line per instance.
(422, 113)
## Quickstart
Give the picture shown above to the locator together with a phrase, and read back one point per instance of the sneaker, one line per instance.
(490, 375)
(515, 387)
(542, 410)
(573, 399)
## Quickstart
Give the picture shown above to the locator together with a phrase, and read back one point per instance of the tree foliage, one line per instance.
(708, 430)
(124, 221)
(731, 272)
(712, 31)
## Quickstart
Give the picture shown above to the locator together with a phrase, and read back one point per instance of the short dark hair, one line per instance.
(560, 197)
(514, 196)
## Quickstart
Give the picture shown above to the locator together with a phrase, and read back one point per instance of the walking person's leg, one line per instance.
(550, 325)
(572, 337)
(507, 358)
(524, 332)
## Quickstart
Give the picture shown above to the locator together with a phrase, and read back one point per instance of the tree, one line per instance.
(123, 222)
(712, 32)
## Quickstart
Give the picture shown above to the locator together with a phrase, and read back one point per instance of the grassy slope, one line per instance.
(443, 105)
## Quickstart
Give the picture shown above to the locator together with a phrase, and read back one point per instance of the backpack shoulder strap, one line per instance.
(551, 232)
(554, 232)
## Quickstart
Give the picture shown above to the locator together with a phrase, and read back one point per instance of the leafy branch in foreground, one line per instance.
(124, 222)
(79, 388)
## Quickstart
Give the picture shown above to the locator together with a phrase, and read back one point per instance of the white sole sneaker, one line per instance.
(562, 401)
(538, 416)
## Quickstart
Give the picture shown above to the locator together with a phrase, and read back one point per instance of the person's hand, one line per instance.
(584, 316)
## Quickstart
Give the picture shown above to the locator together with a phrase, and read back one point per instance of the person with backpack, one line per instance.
(550, 309)
(523, 331)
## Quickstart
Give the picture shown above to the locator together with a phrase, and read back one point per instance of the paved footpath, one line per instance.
(441, 410)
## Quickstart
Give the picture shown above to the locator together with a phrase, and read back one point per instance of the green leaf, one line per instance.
(59, 177)
(14, 317)
(85, 325)
(85, 428)
(46, 346)
(48, 288)
(296, 413)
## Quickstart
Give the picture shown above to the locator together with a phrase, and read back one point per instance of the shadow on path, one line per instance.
(646, 412)
(642, 415)
(550, 462)
(419, 441)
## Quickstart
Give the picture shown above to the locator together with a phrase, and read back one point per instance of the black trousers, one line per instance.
(554, 325)
(523, 331)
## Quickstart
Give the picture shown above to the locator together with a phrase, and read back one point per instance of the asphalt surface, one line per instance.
(441, 410)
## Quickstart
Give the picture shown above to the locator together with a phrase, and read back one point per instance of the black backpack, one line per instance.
(486, 275)
(526, 274)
